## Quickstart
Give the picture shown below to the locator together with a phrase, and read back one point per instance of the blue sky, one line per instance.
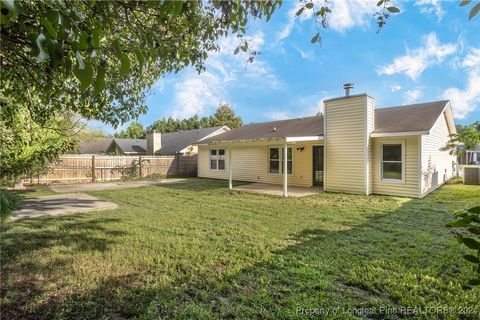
(428, 52)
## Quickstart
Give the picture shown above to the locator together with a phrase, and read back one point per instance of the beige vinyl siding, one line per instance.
(437, 164)
(370, 128)
(250, 163)
(410, 186)
(345, 144)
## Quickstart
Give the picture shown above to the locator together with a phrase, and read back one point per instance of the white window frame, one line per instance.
(216, 158)
(280, 160)
(402, 145)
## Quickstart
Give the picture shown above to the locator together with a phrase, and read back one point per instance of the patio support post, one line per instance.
(230, 185)
(285, 171)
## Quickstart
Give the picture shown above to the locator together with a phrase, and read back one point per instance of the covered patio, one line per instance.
(277, 190)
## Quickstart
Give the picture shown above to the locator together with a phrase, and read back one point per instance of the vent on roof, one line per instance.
(347, 87)
(274, 129)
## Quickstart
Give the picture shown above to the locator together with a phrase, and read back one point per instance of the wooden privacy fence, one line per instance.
(91, 168)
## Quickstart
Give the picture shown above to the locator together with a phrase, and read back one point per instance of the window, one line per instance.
(217, 159)
(392, 162)
(276, 160)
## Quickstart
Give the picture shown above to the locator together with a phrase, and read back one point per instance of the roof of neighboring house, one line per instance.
(95, 146)
(132, 146)
(309, 126)
(409, 118)
(174, 142)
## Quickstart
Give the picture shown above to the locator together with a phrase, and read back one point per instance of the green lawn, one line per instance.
(198, 250)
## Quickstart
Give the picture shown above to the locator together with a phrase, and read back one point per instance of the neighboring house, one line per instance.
(172, 143)
(95, 146)
(353, 148)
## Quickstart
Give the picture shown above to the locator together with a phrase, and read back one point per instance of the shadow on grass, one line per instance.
(404, 258)
(73, 232)
(200, 185)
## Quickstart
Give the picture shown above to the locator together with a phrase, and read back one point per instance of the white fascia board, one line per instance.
(305, 138)
(398, 134)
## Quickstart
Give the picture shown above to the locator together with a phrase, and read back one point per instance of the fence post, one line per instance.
(93, 168)
(178, 164)
(140, 166)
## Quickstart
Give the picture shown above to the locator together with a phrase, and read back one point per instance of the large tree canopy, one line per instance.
(98, 58)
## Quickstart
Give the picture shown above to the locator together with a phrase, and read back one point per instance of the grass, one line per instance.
(196, 250)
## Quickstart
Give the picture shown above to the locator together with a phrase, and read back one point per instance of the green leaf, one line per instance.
(460, 223)
(309, 5)
(125, 64)
(237, 49)
(474, 282)
(474, 210)
(471, 243)
(379, 3)
(463, 3)
(95, 40)
(85, 76)
(99, 80)
(300, 11)
(10, 10)
(83, 41)
(315, 38)
(48, 26)
(81, 64)
(471, 258)
(140, 57)
(42, 54)
(393, 9)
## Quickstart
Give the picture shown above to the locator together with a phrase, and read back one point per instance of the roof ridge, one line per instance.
(283, 120)
(412, 104)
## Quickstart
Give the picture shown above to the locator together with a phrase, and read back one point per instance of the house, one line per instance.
(171, 143)
(352, 148)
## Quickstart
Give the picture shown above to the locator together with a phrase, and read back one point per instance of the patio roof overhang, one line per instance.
(266, 140)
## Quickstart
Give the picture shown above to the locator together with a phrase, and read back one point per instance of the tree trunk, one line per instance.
(19, 185)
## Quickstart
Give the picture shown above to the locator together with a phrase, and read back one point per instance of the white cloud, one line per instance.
(196, 94)
(199, 94)
(279, 115)
(472, 60)
(431, 6)
(412, 95)
(396, 88)
(416, 61)
(466, 100)
(348, 14)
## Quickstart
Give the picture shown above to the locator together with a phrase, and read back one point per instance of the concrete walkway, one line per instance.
(98, 186)
(277, 190)
(59, 205)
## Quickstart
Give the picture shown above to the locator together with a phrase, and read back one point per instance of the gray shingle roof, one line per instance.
(95, 146)
(132, 146)
(174, 142)
(409, 118)
(309, 126)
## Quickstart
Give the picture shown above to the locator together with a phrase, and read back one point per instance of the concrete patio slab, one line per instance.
(59, 205)
(98, 186)
(277, 190)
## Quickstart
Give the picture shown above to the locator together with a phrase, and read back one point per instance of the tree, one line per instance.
(134, 131)
(225, 116)
(469, 136)
(98, 58)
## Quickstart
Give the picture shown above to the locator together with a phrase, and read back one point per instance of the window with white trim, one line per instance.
(392, 162)
(217, 159)
(275, 160)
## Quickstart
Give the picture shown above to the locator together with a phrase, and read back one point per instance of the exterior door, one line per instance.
(317, 165)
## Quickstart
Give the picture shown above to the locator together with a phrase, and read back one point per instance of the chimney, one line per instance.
(347, 87)
(154, 142)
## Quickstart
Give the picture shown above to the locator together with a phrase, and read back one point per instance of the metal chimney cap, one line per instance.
(348, 85)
